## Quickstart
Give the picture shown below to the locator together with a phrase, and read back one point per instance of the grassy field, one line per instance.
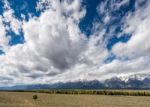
(24, 99)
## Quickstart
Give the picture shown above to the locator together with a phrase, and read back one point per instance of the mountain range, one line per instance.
(133, 82)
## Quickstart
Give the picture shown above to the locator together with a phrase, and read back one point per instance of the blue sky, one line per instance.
(86, 24)
(46, 41)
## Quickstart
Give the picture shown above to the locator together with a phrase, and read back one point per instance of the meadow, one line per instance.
(25, 99)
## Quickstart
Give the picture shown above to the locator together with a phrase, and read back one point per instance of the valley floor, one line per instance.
(24, 99)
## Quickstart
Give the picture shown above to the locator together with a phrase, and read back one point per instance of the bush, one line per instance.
(35, 97)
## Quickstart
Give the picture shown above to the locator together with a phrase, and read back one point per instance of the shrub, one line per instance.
(35, 97)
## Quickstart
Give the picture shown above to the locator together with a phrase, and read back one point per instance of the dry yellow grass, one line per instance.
(24, 99)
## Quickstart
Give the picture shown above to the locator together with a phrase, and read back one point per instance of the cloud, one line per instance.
(54, 40)
(51, 46)
(8, 17)
(56, 50)
(4, 40)
(111, 14)
(137, 24)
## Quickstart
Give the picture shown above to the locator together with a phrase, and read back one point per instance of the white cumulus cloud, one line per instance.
(56, 50)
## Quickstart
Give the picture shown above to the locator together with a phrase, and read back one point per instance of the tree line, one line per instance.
(95, 92)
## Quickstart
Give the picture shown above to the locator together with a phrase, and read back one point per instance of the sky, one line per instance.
(50, 41)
